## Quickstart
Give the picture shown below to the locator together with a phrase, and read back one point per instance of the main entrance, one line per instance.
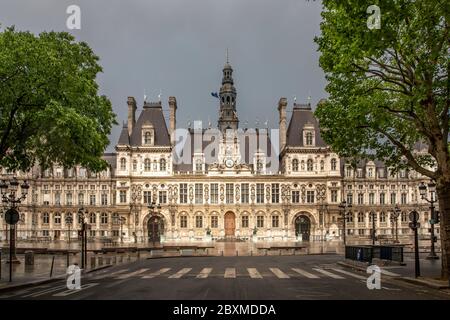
(155, 227)
(230, 224)
(303, 227)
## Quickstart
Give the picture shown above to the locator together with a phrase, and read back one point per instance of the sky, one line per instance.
(179, 47)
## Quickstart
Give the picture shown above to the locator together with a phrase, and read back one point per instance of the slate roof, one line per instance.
(302, 115)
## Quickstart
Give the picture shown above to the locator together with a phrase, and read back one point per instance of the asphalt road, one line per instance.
(230, 278)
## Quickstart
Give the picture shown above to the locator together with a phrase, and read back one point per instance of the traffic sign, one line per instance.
(12, 216)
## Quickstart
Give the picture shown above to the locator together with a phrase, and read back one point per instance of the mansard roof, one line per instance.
(302, 115)
(124, 139)
(151, 114)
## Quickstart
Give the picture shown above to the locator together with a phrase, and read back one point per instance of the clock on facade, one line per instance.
(229, 162)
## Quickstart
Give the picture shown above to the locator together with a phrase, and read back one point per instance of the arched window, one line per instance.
(147, 164)
(45, 218)
(134, 165)
(360, 217)
(333, 164)
(57, 218)
(104, 218)
(309, 139)
(123, 164)
(295, 165)
(148, 137)
(162, 165)
(92, 218)
(309, 165)
(382, 217)
(404, 217)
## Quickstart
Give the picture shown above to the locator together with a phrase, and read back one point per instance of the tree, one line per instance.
(389, 89)
(50, 109)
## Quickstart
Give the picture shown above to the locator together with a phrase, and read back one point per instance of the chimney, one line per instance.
(282, 104)
(172, 118)
(131, 114)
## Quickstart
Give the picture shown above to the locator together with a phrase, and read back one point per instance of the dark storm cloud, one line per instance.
(179, 46)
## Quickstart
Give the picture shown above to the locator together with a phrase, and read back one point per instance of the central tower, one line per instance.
(228, 118)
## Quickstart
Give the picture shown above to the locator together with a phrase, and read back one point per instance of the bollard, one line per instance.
(51, 269)
(92, 262)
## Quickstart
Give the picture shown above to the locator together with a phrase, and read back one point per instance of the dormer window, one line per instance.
(162, 164)
(309, 165)
(309, 139)
(123, 164)
(308, 135)
(295, 165)
(148, 135)
(199, 165)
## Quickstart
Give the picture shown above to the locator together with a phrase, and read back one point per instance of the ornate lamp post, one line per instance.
(83, 214)
(69, 221)
(344, 215)
(394, 219)
(11, 201)
(373, 217)
(153, 211)
(434, 214)
(323, 208)
(136, 192)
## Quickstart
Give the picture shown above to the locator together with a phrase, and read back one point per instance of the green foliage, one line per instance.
(389, 87)
(50, 108)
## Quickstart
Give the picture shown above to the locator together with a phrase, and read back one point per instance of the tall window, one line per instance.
(198, 221)
(360, 217)
(333, 164)
(403, 198)
(334, 195)
(229, 192)
(92, 218)
(183, 222)
(123, 164)
(275, 192)
(198, 193)
(360, 198)
(214, 222)
(148, 138)
(244, 223)
(295, 165)
(147, 197)
(310, 196)
(371, 198)
(382, 198)
(322, 165)
(92, 199)
(259, 166)
(57, 198)
(163, 197)
(104, 218)
(57, 218)
(122, 196)
(393, 198)
(115, 218)
(45, 218)
(104, 199)
(183, 192)
(69, 199)
(134, 165)
(244, 193)
(309, 139)
(295, 196)
(309, 165)
(370, 172)
(260, 193)
(199, 165)
(260, 221)
(214, 193)
(382, 217)
(275, 221)
(349, 198)
(147, 165)
(162, 164)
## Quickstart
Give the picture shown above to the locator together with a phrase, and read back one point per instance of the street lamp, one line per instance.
(373, 217)
(122, 221)
(434, 213)
(322, 209)
(11, 202)
(343, 212)
(69, 221)
(83, 214)
(151, 207)
(394, 218)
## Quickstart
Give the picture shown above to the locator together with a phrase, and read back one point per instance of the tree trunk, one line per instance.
(443, 192)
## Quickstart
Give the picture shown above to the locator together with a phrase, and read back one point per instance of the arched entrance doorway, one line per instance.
(155, 228)
(230, 224)
(303, 227)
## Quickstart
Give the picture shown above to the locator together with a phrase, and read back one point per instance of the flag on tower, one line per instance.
(215, 95)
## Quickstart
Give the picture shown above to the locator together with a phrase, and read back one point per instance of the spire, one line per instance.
(227, 115)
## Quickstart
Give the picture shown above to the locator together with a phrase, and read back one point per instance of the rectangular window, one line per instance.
(360, 198)
(371, 198)
(183, 193)
(244, 193)
(275, 192)
(393, 198)
(260, 221)
(214, 222)
(147, 197)
(214, 193)
(69, 199)
(295, 196)
(163, 197)
(122, 196)
(275, 221)
(199, 222)
(350, 198)
(198, 193)
(382, 198)
(92, 199)
(260, 193)
(310, 196)
(244, 222)
(57, 198)
(334, 195)
(104, 199)
(81, 199)
(183, 222)
(403, 198)
(229, 193)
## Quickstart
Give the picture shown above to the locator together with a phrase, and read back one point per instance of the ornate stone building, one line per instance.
(217, 183)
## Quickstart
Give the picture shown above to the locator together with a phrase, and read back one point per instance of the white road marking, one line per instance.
(180, 273)
(254, 273)
(18, 293)
(230, 273)
(305, 273)
(156, 273)
(72, 291)
(329, 274)
(280, 274)
(40, 293)
(204, 273)
(132, 274)
(357, 276)
(106, 275)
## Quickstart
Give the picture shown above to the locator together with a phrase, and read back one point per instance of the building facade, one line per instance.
(170, 184)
